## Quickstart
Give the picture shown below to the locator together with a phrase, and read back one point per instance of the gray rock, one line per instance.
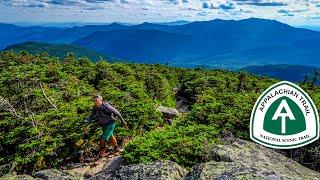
(168, 112)
(159, 170)
(76, 165)
(113, 164)
(6, 169)
(109, 165)
(182, 104)
(54, 174)
(248, 160)
(16, 177)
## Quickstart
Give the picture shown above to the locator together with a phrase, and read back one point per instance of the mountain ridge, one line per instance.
(56, 50)
(220, 43)
(214, 42)
(293, 73)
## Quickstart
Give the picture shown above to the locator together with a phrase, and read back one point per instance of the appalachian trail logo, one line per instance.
(284, 117)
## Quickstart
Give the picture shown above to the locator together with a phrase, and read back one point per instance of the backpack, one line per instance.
(106, 110)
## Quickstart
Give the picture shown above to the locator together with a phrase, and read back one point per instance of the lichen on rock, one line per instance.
(16, 177)
(247, 160)
(159, 170)
(57, 174)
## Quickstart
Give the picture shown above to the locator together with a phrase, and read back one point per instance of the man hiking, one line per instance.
(103, 112)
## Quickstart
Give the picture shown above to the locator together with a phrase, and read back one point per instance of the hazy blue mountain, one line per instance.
(217, 43)
(57, 24)
(315, 28)
(226, 43)
(70, 34)
(57, 50)
(141, 45)
(173, 23)
(160, 27)
(294, 73)
(11, 34)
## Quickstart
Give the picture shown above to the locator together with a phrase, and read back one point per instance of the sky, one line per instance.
(293, 12)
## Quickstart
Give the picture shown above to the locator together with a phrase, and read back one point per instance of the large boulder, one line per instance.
(159, 170)
(57, 175)
(168, 112)
(248, 160)
(99, 165)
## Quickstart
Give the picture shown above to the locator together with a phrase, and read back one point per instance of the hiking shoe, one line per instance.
(102, 153)
(118, 149)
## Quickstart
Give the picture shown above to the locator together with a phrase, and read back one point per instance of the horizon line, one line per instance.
(18, 23)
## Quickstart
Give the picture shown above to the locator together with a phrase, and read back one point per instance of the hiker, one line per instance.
(103, 111)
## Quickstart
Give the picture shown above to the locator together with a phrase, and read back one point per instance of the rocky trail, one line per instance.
(238, 160)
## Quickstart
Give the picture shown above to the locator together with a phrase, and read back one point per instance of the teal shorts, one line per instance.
(107, 131)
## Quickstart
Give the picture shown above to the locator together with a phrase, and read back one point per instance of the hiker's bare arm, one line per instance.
(116, 112)
(91, 116)
(88, 121)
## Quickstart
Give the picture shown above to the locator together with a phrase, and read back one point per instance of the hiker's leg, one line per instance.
(102, 148)
(102, 143)
(108, 133)
(114, 141)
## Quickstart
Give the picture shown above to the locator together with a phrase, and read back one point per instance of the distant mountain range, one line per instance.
(182, 22)
(315, 28)
(293, 73)
(57, 50)
(217, 43)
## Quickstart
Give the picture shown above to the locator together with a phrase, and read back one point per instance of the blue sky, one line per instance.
(293, 12)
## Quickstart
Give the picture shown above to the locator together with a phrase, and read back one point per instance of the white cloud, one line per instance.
(291, 11)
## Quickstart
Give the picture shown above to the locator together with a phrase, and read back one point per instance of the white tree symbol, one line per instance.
(283, 116)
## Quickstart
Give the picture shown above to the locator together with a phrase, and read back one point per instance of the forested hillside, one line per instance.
(45, 102)
(56, 50)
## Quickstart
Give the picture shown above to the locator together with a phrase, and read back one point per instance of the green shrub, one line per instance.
(185, 145)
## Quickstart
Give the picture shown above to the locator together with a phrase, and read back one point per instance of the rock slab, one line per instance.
(159, 170)
(248, 160)
(54, 174)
